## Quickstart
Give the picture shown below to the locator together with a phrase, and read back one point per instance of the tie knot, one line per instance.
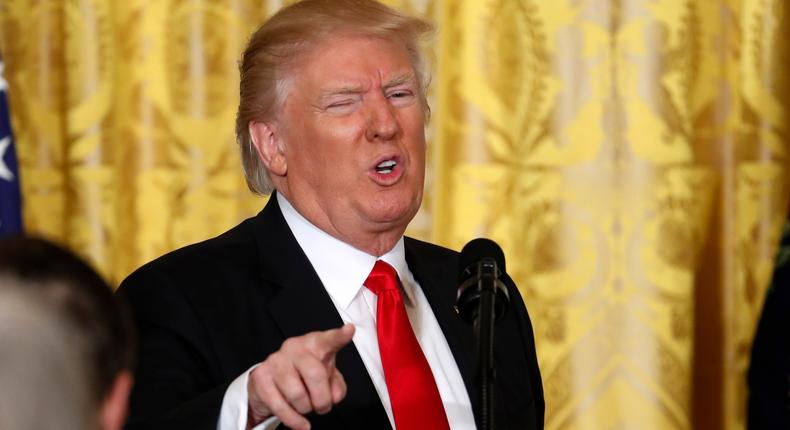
(382, 278)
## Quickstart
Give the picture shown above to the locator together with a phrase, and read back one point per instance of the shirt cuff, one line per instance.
(233, 414)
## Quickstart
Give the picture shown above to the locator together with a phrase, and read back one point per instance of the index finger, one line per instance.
(331, 341)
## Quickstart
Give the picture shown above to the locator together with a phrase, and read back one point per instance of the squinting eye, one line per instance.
(400, 94)
(401, 97)
(341, 106)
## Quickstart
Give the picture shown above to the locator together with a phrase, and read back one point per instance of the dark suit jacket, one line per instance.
(209, 311)
(769, 369)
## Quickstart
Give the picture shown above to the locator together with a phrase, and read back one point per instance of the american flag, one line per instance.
(10, 198)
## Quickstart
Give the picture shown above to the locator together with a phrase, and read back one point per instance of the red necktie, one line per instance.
(413, 394)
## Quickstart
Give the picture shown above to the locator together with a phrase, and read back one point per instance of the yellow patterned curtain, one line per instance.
(629, 155)
(123, 112)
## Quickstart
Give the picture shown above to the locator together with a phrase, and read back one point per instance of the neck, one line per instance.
(377, 245)
(376, 240)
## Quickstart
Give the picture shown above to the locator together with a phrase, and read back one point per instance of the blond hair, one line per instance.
(289, 34)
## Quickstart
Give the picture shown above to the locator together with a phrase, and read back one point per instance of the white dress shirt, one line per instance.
(343, 269)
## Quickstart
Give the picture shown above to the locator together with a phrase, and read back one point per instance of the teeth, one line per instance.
(385, 167)
(386, 164)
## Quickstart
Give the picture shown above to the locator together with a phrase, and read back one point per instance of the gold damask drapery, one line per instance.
(629, 155)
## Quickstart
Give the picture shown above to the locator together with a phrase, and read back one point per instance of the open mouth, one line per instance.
(386, 167)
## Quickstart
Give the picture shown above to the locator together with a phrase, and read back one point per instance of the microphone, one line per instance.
(482, 299)
(482, 262)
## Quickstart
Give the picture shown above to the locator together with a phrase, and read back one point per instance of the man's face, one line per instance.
(351, 135)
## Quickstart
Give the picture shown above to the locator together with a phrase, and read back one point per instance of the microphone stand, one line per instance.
(484, 328)
(483, 299)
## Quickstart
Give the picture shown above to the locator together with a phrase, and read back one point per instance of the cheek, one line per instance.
(414, 127)
(333, 162)
(340, 142)
(317, 148)
(418, 148)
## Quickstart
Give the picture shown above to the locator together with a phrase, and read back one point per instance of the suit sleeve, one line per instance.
(528, 337)
(175, 382)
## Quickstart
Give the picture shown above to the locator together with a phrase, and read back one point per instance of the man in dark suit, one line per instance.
(318, 313)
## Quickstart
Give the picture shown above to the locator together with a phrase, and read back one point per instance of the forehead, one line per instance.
(353, 59)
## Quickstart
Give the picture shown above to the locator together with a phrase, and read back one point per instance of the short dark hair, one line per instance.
(84, 297)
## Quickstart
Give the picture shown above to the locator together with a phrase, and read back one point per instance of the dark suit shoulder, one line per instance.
(203, 256)
(199, 322)
(429, 247)
(430, 250)
(195, 283)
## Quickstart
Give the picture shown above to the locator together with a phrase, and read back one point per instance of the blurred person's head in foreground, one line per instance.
(44, 373)
(87, 302)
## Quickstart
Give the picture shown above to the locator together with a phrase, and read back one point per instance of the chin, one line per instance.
(397, 215)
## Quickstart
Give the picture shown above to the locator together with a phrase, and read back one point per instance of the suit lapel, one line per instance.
(438, 279)
(299, 304)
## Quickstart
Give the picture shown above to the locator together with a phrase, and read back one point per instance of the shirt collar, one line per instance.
(342, 268)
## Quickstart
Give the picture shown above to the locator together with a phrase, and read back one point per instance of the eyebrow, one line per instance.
(349, 89)
(405, 78)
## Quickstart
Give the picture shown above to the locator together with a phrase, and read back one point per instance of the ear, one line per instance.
(116, 403)
(269, 146)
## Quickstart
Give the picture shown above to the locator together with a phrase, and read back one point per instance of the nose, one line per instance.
(382, 120)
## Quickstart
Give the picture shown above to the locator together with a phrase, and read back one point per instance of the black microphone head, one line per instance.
(476, 256)
(478, 249)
